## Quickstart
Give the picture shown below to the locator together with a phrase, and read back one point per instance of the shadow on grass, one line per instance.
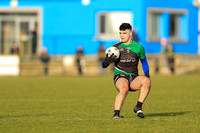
(167, 114)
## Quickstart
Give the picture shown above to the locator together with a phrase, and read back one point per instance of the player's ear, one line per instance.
(131, 33)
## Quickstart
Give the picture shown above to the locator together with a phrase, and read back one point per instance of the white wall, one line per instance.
(9, 65)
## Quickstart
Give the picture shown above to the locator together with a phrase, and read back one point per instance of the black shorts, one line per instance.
(130, 78)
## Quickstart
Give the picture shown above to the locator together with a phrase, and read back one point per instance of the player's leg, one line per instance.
(143, 84)
(122, 86)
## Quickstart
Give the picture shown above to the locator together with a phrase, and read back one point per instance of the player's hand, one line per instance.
(147, 74)
(112, 58)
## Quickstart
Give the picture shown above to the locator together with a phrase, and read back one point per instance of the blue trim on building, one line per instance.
(164, 25)
(184, 27)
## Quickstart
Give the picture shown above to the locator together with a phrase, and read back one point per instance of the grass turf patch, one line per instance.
(85, 104)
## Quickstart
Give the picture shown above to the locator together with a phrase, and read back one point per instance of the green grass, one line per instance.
(85, 104)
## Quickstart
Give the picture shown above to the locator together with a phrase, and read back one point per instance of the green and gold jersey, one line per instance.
(129, 58)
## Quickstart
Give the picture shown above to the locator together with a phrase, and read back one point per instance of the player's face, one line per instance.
(125, 36)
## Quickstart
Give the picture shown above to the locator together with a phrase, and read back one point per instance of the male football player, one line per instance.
(126, 76)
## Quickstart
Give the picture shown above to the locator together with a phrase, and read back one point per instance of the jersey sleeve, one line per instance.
(142, 52)
(144, 62)
(145, 65)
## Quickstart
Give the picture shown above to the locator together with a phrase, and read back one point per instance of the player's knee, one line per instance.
(147, 82)
(124, 91)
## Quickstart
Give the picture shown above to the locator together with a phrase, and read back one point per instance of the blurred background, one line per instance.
(69, 37)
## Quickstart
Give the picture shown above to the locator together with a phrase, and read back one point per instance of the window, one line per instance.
(16, 27)
(155, 29)
(109, 22)
(167, 23)
(175, 26)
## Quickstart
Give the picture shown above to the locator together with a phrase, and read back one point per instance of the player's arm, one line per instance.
(145, 67)
(106, 62)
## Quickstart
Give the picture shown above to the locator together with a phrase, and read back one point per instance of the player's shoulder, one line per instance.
(138, 45)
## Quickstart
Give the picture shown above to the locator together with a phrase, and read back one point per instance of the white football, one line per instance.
(112, 50)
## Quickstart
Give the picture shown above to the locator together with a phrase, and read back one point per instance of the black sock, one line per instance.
(116, 112)
(139, 104)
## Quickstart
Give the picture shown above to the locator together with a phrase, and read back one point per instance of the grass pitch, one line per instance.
(85, 104)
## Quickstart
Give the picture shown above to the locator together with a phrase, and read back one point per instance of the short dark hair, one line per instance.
(125, 26)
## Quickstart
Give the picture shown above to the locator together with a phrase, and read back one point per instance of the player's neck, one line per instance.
(128, 42)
